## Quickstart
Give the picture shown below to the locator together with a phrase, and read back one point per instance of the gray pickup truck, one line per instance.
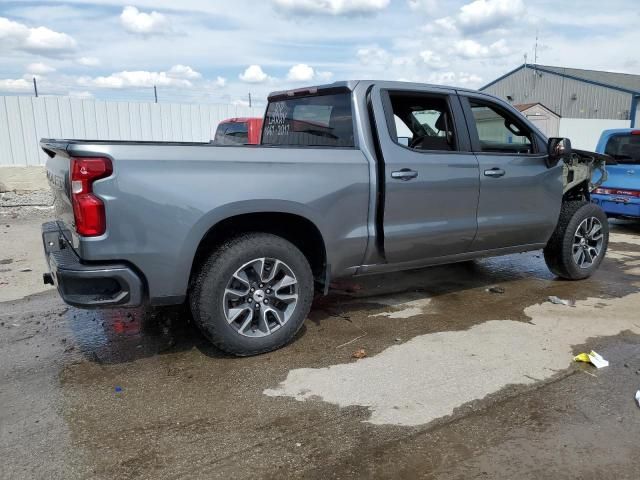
(351, 178)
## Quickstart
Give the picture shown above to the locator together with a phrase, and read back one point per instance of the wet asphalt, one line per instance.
(468, 374)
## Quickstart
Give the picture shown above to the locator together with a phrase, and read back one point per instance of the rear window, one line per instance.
(624, 148)
(235, 133)
(318, 121)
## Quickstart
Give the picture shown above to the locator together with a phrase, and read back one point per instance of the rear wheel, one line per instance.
(252, 294)
(580, 241)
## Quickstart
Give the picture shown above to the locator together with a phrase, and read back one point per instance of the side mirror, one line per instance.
(559, 149)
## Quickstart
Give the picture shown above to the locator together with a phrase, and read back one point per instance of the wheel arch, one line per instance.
(579, 191)
(293, 226)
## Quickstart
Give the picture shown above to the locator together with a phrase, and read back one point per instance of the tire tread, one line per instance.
(226, 252)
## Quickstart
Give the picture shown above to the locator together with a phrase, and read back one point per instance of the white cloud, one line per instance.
(301, 73)
(432, 59)
(40, 68)
(471, 49)
(10, 30)
(332, 7)
(373, 56)
(253, 74)
(482, 15)
(88, 61)
(41, 40)
(221, 82)
(183, 71)
(428, 6)
(135, 79)
(470, 79)
(324, 76)
(304, 73)
(403, 61)
(15, 85)
(240, 103)
(135, 21)
(444, 25)
(461, 79)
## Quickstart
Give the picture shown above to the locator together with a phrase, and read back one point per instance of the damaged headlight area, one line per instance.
(584, 168)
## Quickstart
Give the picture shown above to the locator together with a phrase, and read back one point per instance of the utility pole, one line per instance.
(35, 86)
(155, 93)
(249, 99)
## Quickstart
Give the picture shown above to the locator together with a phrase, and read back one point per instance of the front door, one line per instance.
(520, 197)
(431, 183)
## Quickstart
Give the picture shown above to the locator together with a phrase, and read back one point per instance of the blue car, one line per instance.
(619, 195)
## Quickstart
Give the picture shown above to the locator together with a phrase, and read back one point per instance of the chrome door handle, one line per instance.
(494, 172)
(404, 174)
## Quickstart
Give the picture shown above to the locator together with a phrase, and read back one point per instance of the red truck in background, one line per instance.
(238, 131)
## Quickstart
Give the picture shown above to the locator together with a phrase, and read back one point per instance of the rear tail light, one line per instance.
(635, 132)
(88, 209)
(617, 191)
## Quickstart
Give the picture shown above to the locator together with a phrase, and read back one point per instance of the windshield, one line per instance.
(624, 148)
(232, 133)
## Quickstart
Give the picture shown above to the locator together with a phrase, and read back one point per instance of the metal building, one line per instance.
(587, 101)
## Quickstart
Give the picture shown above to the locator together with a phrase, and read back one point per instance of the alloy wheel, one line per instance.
(260, 297)
(587, 242)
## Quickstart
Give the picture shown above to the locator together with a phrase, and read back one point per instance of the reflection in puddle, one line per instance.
(121, 335)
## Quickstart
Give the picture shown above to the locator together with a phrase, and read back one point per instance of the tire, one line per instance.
(222, 288)
(564, 254)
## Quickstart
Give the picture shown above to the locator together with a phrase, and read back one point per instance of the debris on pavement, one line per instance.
(561, 301)
(24, 270)
(361, 353)
(353, 340)
(499, 290)
(638, 397)
(118, 389)
(593, 358)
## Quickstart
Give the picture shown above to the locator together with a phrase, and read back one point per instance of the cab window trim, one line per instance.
(457, 120)
(536, 144)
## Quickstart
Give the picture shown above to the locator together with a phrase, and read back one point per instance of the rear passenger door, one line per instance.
(430, 175)
(520, 197)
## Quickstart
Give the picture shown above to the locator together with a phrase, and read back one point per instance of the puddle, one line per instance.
(429, 376)
(404, 306)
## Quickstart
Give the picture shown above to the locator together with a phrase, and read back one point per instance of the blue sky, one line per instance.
(219, 51)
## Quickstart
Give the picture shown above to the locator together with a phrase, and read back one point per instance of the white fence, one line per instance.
(584, 133)
(25, 120)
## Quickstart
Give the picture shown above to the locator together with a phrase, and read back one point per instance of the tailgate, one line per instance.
(57, 167)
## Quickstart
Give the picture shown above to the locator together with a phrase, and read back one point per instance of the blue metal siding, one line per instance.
(557, 92)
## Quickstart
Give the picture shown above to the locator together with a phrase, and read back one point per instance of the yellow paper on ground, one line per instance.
(593, 358)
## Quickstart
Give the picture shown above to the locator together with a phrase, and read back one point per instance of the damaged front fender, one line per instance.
(579, 171)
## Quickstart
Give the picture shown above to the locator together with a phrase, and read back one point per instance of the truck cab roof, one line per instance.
(352, 84)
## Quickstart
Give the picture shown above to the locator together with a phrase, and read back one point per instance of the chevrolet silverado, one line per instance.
(246, 234)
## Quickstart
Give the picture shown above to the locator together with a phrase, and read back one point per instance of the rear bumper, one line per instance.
(88, 285)
(618, 205)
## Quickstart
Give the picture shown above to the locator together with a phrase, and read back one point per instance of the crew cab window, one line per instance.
(232, 133)
(499, 132)
(421, 122)
(624, 148)
(317, 121)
